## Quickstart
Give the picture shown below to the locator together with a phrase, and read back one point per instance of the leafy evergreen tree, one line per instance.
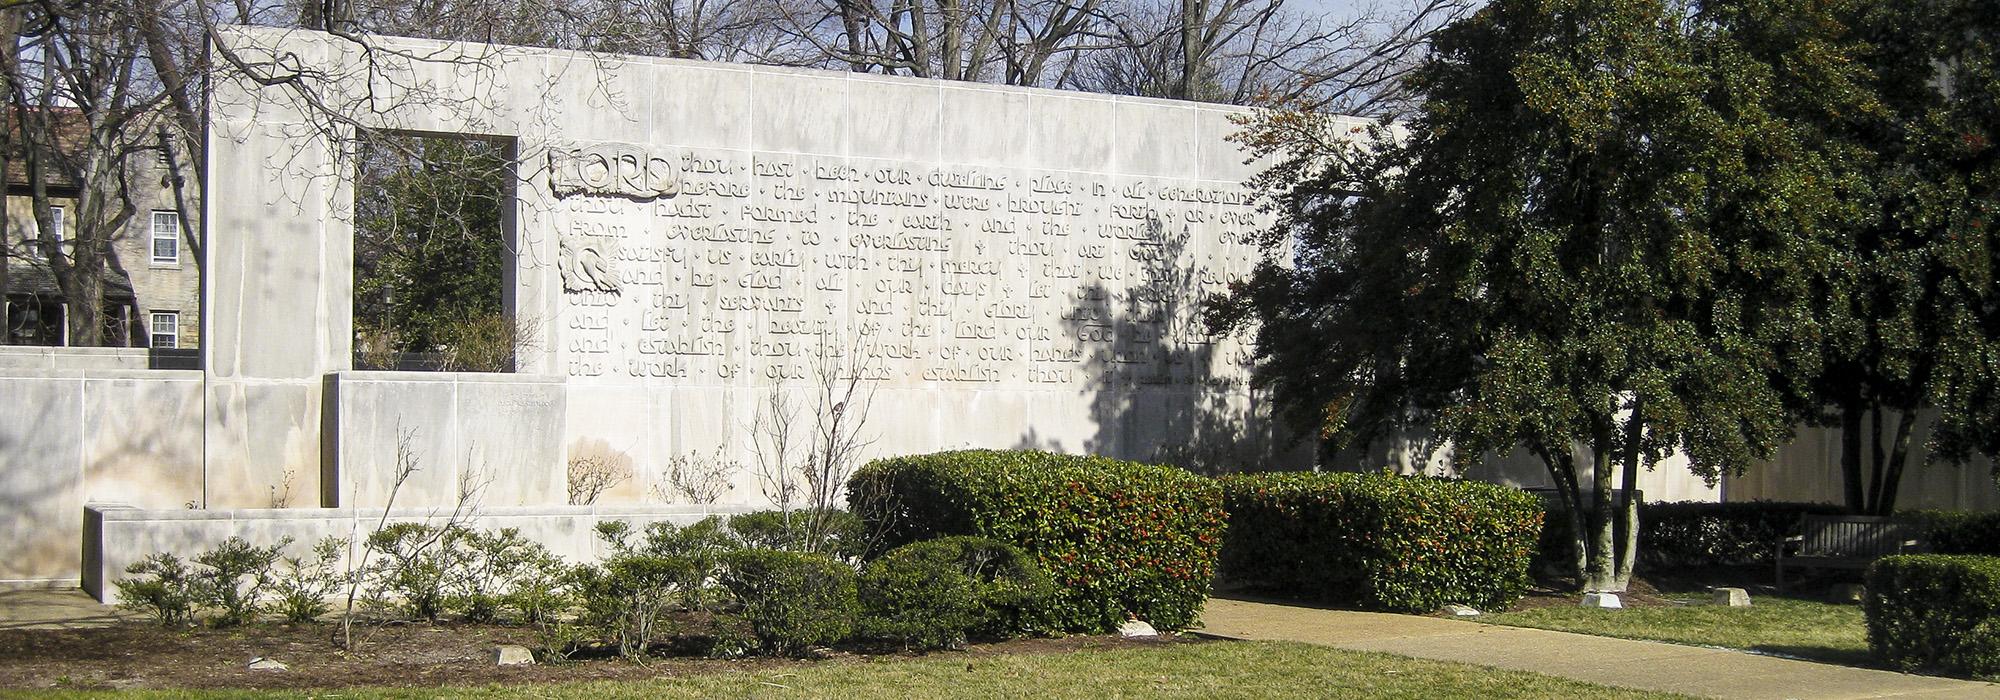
(1918, 323)
(1604, 237)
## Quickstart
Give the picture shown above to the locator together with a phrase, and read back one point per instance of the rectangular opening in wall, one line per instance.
(433, 255)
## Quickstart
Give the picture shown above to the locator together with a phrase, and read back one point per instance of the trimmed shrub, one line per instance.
(161, 586)
(496, 563)
(627, 597)
(1935, 612)
(701, 545)
(229, 579)
(1702, 534)
(232, 579)
(1115, 537)
(931, 594)
(413, 568)
(1957, 532)
(1691, 533)
(301, 585)
(793, 600)
(1380, 541)
(542, 592)
(918, 597)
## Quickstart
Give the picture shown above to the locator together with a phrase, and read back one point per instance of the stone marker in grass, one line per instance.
(513, 655)
(1732, 597)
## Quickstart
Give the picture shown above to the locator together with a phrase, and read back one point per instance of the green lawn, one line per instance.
(1788, 626)
(1211, 670)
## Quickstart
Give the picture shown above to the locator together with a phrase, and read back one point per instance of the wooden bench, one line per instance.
(1844, 542)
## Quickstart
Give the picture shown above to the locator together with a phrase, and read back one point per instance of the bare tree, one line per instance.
(1245, 51)
(83, 108)
(1015, 42)
(359, 575)
(803, 460)
(407, 466)
(746, 31)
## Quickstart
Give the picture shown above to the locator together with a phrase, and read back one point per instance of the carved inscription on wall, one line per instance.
(733, 267)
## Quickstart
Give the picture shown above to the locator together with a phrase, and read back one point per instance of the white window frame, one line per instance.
(153, 330)
(173, 238)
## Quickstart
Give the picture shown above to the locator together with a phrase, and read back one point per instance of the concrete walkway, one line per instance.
(1604, 660)
(56, 608)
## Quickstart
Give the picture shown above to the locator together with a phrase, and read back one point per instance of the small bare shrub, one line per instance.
(697, 478)
(486, 342)
(592, 475)
(375, 347)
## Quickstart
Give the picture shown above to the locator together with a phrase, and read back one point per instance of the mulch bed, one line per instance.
(1653, 589)
(140, 655)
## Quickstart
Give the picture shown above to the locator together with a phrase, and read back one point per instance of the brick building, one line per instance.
(153, 277)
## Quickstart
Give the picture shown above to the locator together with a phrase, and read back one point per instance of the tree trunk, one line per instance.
(1562, 472)
(6, 254)
(1875, 454)
(851, 28)
(10, 40)
(1191, 13)
(1628, 498)
(1601, 572)
(1850, 456)
(954, 24)
(184, 204)
(1899, 456)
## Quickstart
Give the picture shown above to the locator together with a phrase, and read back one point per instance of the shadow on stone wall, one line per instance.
(36, 491)
(1163, 389)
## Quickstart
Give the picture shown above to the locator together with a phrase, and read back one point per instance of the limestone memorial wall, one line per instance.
(996, 267)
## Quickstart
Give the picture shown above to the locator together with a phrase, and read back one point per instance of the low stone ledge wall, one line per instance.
(116, 535)
(501, 430)
(37, 357)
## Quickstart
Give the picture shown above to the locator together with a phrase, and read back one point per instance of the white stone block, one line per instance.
(1607, 601)
(1137, 629)
(513, 655)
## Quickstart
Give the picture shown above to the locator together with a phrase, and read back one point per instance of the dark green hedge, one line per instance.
(793, 600)
(1674, 535)
(1380, 541)
(934, 594)
(1936, 612)
(1957, 532)
(1114, 536)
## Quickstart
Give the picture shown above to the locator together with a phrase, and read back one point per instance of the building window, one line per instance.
(166, 329)
(167, 237)
(56, 222)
